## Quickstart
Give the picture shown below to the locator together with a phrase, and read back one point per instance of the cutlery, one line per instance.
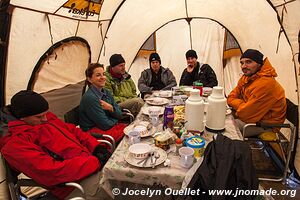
(156, 156)
(143, 160)
(151, 158)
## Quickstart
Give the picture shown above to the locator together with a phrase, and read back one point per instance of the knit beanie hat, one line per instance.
(116, 59)
(191, 53)
(153, 57)
(27, 103)
(253, 55)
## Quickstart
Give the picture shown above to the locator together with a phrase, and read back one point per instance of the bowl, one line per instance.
(139, 150)
(142, 130)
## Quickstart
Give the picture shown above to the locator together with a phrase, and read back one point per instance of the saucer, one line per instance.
(157, 101)
(134, 162)
(145, 110)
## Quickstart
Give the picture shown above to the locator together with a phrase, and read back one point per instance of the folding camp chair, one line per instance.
(72, 117)
(15, 184)
(281, 139)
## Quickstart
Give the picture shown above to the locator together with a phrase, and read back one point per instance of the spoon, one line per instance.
(156, 156)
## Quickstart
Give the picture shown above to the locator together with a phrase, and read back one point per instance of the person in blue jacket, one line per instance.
(98, 111)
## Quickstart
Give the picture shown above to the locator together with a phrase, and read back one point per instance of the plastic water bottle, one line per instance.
(292, 181)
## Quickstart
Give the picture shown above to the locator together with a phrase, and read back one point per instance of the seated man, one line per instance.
(121, 85)
(258, 97)
(98, 111)
(196, 71)
(156, 77)
(49, 150)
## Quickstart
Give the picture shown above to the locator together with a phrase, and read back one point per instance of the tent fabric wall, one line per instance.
(126, 24)
(30, 37)
(246, 28)
(173, 40)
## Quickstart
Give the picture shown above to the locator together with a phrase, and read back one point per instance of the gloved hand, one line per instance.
(102, 154)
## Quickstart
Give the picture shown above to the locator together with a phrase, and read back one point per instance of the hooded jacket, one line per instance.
(227, 165)
(120, 89)
(167, 78)
(50, 153)
(259, 98)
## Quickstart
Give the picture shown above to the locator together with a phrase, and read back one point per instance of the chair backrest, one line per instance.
(72, 116)
(292, 115)
(292, 112)
(14, 183)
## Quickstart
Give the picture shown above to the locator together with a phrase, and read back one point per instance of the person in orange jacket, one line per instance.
(258, 97)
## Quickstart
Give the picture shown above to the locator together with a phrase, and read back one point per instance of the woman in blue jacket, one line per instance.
(98, 111)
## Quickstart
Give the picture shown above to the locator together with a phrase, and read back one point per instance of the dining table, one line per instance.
(121, 180)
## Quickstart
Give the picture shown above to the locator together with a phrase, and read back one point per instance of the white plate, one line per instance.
(130, 127)
(165, 94)
(157, 101)
(145, 110)
(133, 161)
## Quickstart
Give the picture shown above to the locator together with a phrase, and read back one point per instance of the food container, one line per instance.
(163, 140)
(197, 143)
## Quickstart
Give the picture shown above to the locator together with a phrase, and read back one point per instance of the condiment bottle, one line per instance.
(198, 85)
(178, 144)
(168, 117)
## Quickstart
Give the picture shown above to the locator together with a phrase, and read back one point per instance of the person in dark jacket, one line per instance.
(156, 77)
(50, 151)
(196, 71)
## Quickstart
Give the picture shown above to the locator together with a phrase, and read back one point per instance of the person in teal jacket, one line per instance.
(121, 85)
(98, 111)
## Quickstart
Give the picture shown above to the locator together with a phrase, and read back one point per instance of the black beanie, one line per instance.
(27, 103)
(191, 53)
(116, 59)
(253, 55)
(153, 57)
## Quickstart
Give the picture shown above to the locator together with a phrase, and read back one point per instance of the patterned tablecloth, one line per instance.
(118, 173)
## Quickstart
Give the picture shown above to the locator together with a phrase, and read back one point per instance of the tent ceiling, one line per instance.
(134, 22)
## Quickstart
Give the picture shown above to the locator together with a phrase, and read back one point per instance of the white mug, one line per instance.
(134, 137)
(186, 157)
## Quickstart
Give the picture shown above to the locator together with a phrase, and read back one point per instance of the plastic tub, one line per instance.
(198, 144)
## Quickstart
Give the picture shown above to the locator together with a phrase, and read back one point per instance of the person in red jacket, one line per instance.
(49, 150)
(258, 97)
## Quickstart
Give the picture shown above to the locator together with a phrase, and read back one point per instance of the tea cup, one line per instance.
(142, 130)
(134, 137)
